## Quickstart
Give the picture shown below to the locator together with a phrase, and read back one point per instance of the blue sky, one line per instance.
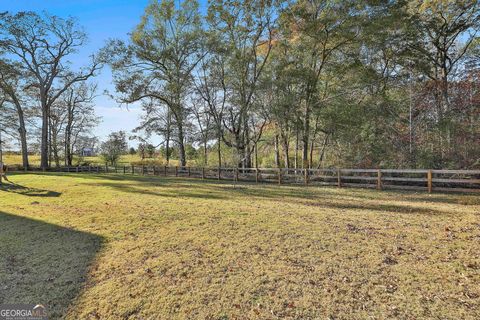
(102, 19)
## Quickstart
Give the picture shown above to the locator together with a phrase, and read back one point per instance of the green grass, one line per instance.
(125, 160)
(123, 247)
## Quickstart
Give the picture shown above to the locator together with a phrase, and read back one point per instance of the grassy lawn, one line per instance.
(122, 247)
(125, 160)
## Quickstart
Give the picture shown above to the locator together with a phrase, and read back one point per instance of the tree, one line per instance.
(439, 34)
(211, 92)
(243, 33)
(203, 118)
(150, 150)
(141, 150)
(115, 146)
(80, 115)
(158, 63)
(42, 43)
(317, 31)
(11, 85)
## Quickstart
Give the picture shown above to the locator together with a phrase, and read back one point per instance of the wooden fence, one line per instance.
(407, 179)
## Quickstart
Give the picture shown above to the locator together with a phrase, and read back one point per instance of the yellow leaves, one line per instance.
(442, 8)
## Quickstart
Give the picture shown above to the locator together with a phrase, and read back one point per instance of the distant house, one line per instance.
(88, 152)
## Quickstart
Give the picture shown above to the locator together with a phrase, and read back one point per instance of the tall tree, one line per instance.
(42, 44)
(158, 63)
(11, 81)
(244, 35)
(317, 30)
(439, 34)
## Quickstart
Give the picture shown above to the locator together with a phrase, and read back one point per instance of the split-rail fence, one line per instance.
(407, 179)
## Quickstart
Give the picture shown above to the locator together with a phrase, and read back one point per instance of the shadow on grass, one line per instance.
(377, 208)
(31, 192)
(42, 263)
(179, 191)
(326, 199)
(216, 190)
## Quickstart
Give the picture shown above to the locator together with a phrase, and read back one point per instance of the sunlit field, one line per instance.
(122, 247)
(125, 160)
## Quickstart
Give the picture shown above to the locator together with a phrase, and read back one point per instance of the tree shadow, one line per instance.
(263, 189)
(42, 263)
(31, 192)
(388, 208)
(179, 191)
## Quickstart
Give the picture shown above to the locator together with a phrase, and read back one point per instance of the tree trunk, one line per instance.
(312, 145)
(205, 152)
(285, 147)
(296, 147)
(305, 138)
(56, 157)
(322, 152)
(219, 150)
(240, 156)
(21, 126)
(446, 111)
(44, 140)
(256, 154)
(23, 136)
(167, 138)
(68, 140)
(247, 158)
(181, 144)
(277, 152)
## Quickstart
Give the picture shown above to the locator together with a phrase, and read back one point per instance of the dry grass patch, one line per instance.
(153, 248)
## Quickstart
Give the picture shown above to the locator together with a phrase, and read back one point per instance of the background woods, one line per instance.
(304, 84)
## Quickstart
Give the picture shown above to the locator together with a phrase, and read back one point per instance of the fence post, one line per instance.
(339, 177)
(106, 167)
(306, 176)
(279, 175)
(98, 169)
(203, 173)
(256, 175)
(165, 171)
(143, 170)
(154, 170)
(379, 179)
(189, 171)
(176, 171)
(116, 170)
(429, 181)
(77, 169)
(236, 174)
(124, 169)
(133, 169)
(219, 174)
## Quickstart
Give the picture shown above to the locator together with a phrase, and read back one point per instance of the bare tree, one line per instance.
(80, 115)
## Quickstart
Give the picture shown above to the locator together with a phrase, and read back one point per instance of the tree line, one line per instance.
(262, 83)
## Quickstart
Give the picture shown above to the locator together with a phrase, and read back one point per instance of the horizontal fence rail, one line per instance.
(407, 179)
